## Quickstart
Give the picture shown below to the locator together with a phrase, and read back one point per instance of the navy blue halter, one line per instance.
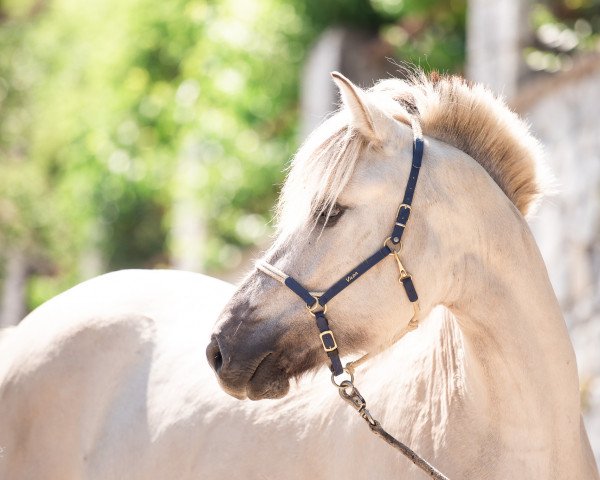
(317, 304)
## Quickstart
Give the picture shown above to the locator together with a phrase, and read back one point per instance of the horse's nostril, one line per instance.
(217, 361)
(213, 355)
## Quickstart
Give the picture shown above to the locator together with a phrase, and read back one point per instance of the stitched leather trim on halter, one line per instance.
(316, 302)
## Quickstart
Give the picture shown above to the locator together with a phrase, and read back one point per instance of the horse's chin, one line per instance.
(268, 381)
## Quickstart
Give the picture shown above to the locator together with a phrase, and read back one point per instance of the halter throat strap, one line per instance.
(316, 302)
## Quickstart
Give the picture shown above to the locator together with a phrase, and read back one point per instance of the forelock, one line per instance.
(319, 172)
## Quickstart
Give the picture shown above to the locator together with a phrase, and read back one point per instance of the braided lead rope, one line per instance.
(351, 395)
(423, 464)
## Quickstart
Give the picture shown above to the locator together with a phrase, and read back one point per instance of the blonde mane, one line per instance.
(319, 171)
(448, 108)
(471, 118)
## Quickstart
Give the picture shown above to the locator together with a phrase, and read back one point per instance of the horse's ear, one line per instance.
(366, 117)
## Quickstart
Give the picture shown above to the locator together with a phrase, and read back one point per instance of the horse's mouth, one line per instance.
(268, 380)
(265, 380)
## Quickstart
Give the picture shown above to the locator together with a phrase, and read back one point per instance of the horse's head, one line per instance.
(338, 205)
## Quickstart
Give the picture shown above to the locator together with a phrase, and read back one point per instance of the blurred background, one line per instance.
(145, 133)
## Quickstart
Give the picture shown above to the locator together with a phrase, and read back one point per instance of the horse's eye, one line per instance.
(329, 218)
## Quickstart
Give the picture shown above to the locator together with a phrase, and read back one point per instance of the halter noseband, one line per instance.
(316, 302)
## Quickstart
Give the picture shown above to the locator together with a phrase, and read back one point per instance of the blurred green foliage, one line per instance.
(101, 100)
(561, 29)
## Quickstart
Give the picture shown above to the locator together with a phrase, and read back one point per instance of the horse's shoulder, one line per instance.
(123, 289)
(123, 346)
(129, 291)
(108, 319)
(49, 354)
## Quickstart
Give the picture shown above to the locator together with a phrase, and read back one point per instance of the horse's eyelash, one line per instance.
(326, 219)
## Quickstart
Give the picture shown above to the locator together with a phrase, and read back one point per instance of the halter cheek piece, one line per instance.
(316, 302)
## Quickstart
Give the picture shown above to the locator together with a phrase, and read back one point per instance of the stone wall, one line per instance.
(564, 114)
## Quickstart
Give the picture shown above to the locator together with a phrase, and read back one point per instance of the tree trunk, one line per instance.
(188, 230)
(12, 309)
(495, 31)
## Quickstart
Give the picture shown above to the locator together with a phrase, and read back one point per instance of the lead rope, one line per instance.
(353, 397)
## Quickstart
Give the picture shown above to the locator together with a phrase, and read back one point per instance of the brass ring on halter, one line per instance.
(388, 243)
(317, 307)
(339, 385)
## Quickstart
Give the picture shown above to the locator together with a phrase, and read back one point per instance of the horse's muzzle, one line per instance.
(246, 370)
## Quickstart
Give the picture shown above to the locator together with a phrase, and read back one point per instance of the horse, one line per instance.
(109, 380)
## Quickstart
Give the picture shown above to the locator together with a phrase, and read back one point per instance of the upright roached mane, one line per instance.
(448, 108)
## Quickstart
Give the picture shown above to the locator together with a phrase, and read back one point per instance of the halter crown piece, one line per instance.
(316, 303)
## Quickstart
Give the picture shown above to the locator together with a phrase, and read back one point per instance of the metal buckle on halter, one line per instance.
(330, 333)
(402, 205)
(403, 225)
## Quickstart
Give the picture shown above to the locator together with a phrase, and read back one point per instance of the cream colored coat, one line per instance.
(90, 391)
(110, 380)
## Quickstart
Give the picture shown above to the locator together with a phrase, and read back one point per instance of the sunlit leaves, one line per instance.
(558, 39)
(100, 100)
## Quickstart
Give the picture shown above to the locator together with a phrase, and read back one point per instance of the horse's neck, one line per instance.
(520, 375)
(521, 364)
(510, 383)
(501, 373)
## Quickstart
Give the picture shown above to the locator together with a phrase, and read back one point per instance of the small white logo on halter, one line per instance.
(349, 278)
